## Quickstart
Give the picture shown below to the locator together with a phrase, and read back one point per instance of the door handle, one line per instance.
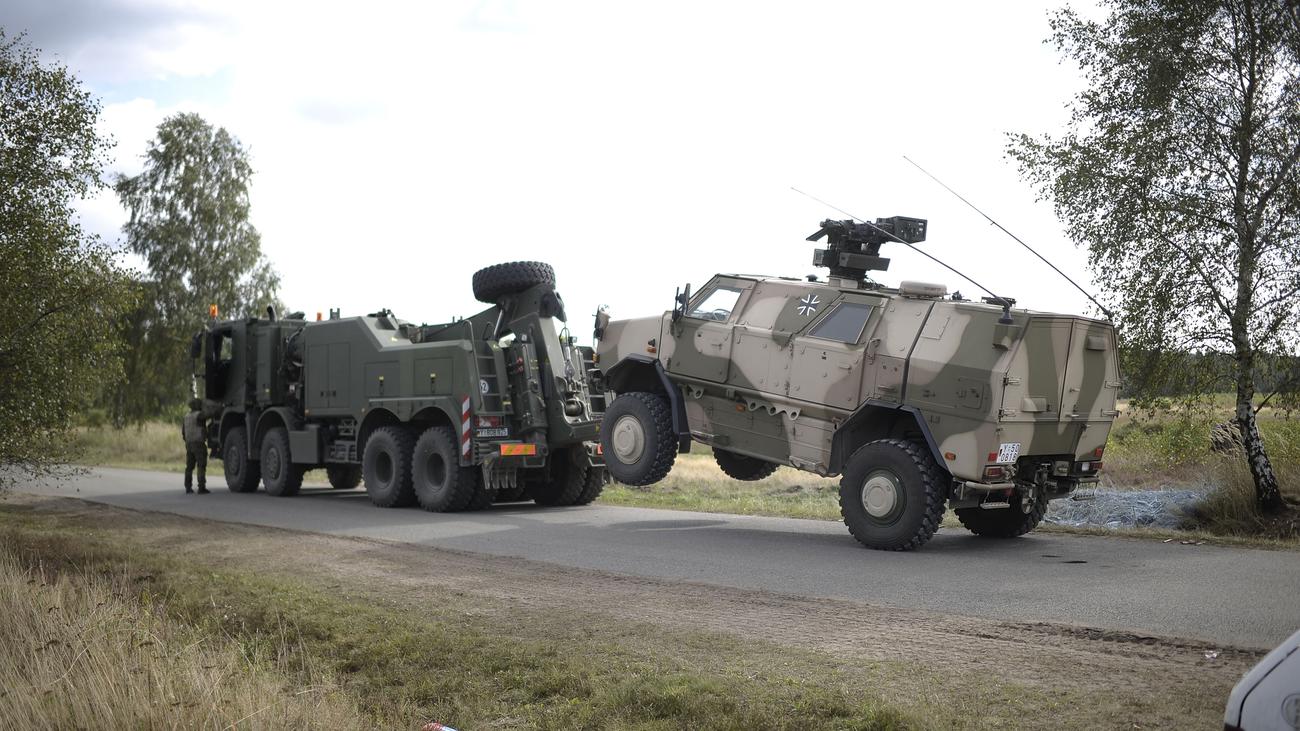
(872, 346)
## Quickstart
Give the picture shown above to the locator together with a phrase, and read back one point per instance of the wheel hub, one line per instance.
(628, 439)
(879, 494)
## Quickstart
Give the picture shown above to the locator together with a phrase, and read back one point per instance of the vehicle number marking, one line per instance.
(1008, 451)
(490, 433)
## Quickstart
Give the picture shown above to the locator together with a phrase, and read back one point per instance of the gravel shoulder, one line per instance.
(979, 671)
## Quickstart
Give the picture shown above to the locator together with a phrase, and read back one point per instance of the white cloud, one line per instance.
(399, 147)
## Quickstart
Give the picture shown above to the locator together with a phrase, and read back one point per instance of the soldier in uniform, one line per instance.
(194, 431)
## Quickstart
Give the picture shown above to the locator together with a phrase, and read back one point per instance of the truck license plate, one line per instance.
(492, 433)
(1008, 451)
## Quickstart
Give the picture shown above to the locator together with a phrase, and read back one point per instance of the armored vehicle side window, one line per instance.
(717, 305)
(844, 323)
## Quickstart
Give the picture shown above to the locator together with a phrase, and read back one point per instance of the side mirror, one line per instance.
(196, 345)
(681, 300)
(602, 322)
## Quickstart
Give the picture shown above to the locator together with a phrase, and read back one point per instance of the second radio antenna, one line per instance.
(1109, 315)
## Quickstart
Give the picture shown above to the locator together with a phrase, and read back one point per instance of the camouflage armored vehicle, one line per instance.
(921, 400)
(453, 416)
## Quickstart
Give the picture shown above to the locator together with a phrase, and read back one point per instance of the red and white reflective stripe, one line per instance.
(464, 426)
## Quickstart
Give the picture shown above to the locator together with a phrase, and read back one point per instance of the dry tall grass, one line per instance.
(155, 445)
(79, 651)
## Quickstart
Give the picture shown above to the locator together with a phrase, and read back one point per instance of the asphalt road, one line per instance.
(1235, 596)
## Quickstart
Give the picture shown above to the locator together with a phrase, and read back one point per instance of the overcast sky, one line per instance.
(399, 147)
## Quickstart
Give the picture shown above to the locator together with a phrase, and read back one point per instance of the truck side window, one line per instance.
(717, 305)
(844, 323)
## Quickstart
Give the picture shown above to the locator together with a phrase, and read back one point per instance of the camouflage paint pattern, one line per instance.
(759, 382)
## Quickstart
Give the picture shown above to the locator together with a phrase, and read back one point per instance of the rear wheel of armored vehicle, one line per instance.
(636, 435)
(482, 498)
(892, 495)
(344, 476)
(441, 484)
(242, 474)
(741, 467)
(492, 283)
(386, 467)
(281, 476)
(1016, 520)
(568, 469)
(597, 478)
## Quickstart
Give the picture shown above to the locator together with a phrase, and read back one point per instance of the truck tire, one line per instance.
(482, 497)
(892, 495)
(637, 437)
(568, 476)
(441, 484)
(516, 276)
(242, 474)
(386, 467)
(1003, 522)
(344, 476)
(742, 467)
(597, 477)
(281, 476)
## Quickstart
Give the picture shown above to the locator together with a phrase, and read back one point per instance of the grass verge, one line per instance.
(399, 666)
(85, 647)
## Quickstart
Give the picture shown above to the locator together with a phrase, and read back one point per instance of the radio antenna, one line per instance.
(1003, 301)
(1109, 315)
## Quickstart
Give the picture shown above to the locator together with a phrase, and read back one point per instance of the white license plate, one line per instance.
(1008, 452)
(493, 433)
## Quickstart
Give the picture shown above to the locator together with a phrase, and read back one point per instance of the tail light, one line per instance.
(995, 472)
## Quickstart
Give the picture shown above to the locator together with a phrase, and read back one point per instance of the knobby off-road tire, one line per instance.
(1003, 522)
(482, 497)
(742, 467)
(281, 476)
(441, 484)
(568, 476)
(386, 467)
(344, 476)
(242, 474)
(516, 276)
(597, 478)
(636, 434)
(892, 495)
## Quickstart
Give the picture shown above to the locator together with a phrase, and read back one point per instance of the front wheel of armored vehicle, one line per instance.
(386, 467)
(281, 476)
(242, 474)
(1009, 522)
(636, 435)
(441, 484)
(344, 476)
(493, 282)
(741, 467)
(892, 495)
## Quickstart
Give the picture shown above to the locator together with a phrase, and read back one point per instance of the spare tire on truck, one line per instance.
(492, 283)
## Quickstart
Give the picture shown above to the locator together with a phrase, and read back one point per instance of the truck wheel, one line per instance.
(568, 475)
(441, 484)
(597, 477)
(386, 467)
(741, 467)
(892, 495)
(1003, 522)
(516, 276)
(281, 476)
(242, 474)
(637, 437)
(482, 497)
(344, 476)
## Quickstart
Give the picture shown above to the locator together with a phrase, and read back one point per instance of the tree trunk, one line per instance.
(1267, 496)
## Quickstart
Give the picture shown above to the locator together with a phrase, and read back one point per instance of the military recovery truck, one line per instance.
(919, 399)
(453, 416)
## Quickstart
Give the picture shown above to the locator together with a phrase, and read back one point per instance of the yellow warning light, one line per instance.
(212, 311)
